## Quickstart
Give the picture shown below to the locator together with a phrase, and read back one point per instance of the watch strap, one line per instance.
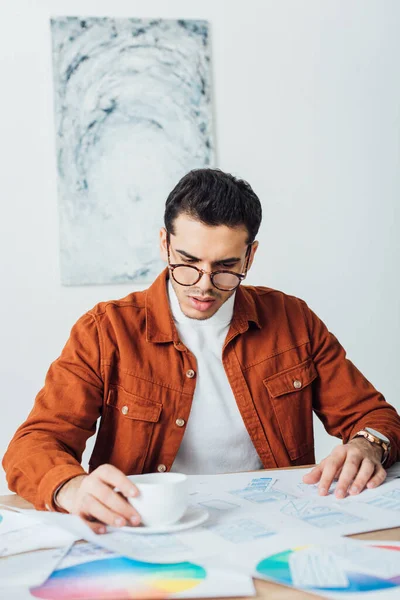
(374, 440)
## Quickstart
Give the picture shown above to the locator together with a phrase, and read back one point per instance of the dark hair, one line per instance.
(214, 198)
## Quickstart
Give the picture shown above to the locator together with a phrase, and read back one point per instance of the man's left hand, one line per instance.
(356, 465)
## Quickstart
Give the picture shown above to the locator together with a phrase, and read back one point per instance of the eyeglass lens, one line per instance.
(190, 276)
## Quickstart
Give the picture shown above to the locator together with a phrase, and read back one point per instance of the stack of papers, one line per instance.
(91, 572)
(267, 525)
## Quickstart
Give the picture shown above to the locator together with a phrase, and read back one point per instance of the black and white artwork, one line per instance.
(133, 115)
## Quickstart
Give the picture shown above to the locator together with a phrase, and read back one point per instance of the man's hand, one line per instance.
(356, 465)
(93, 498)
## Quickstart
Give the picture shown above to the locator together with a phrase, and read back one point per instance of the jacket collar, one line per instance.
(245, 309)
(160, 327)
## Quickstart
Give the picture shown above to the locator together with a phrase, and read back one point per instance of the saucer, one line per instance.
(193, 517)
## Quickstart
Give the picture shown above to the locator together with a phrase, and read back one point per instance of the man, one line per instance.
(248, 364)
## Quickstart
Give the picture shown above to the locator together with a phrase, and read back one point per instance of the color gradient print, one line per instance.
(277, 567)
(119, 577)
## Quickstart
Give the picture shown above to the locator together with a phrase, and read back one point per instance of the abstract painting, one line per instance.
(132, 115)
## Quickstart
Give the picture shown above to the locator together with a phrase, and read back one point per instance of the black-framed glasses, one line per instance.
(223, 280)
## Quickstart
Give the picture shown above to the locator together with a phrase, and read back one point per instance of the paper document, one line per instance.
(316, 567)
(245, 510)
(374, 561)
(89, 572)
(332, 567)
(30, 569)
(386, 497)
(291, 504)
(13, 521)
(37, 537)
(25, 534)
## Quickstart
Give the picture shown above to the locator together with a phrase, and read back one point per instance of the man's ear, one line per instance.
(163, 244)
(252, 253)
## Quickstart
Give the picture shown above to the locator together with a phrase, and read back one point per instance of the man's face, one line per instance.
(208, 248)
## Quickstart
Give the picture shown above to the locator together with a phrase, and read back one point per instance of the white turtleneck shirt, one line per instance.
(216, 439)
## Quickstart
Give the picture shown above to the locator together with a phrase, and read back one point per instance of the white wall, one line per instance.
(307, 97)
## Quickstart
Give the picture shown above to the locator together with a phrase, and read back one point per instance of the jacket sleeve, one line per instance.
(345, 401)
(47, 448)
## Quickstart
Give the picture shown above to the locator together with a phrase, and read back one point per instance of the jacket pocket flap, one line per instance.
(134, 407)
(291, 380)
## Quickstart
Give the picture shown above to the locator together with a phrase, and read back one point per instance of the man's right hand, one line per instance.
(93, 498)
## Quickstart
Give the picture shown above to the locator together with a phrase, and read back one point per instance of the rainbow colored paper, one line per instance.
(119, 577)
(277, 568)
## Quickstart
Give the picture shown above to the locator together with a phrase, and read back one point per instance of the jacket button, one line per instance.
(297, 384)
(124, 410)
(190, 373)
(180, 422)
(161, 468)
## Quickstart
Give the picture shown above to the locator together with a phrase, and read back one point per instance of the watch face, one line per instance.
(380, 436)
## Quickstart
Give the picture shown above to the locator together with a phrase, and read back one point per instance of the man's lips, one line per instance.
(200, 303)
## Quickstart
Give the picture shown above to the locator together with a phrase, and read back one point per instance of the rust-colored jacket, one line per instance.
(124, 363)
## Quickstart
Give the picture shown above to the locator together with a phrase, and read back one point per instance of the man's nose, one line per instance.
(205, 282)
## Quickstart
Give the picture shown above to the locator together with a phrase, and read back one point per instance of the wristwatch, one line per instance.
(375, 437)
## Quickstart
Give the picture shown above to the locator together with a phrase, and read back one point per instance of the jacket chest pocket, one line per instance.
(125, 432)
(132, 407)
(291, 397)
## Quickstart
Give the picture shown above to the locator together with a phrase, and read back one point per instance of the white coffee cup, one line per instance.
(163, 497)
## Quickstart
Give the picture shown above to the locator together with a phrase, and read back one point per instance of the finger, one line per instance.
(115, 478)
(98, 528)
(92, 507)
(378, 478)
(364, 474)
(338, 472)
(314, 475)
(115, 501)
(349, 472)
(332, 465)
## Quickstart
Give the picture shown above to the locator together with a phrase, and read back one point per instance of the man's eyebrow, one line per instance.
(217, 262)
